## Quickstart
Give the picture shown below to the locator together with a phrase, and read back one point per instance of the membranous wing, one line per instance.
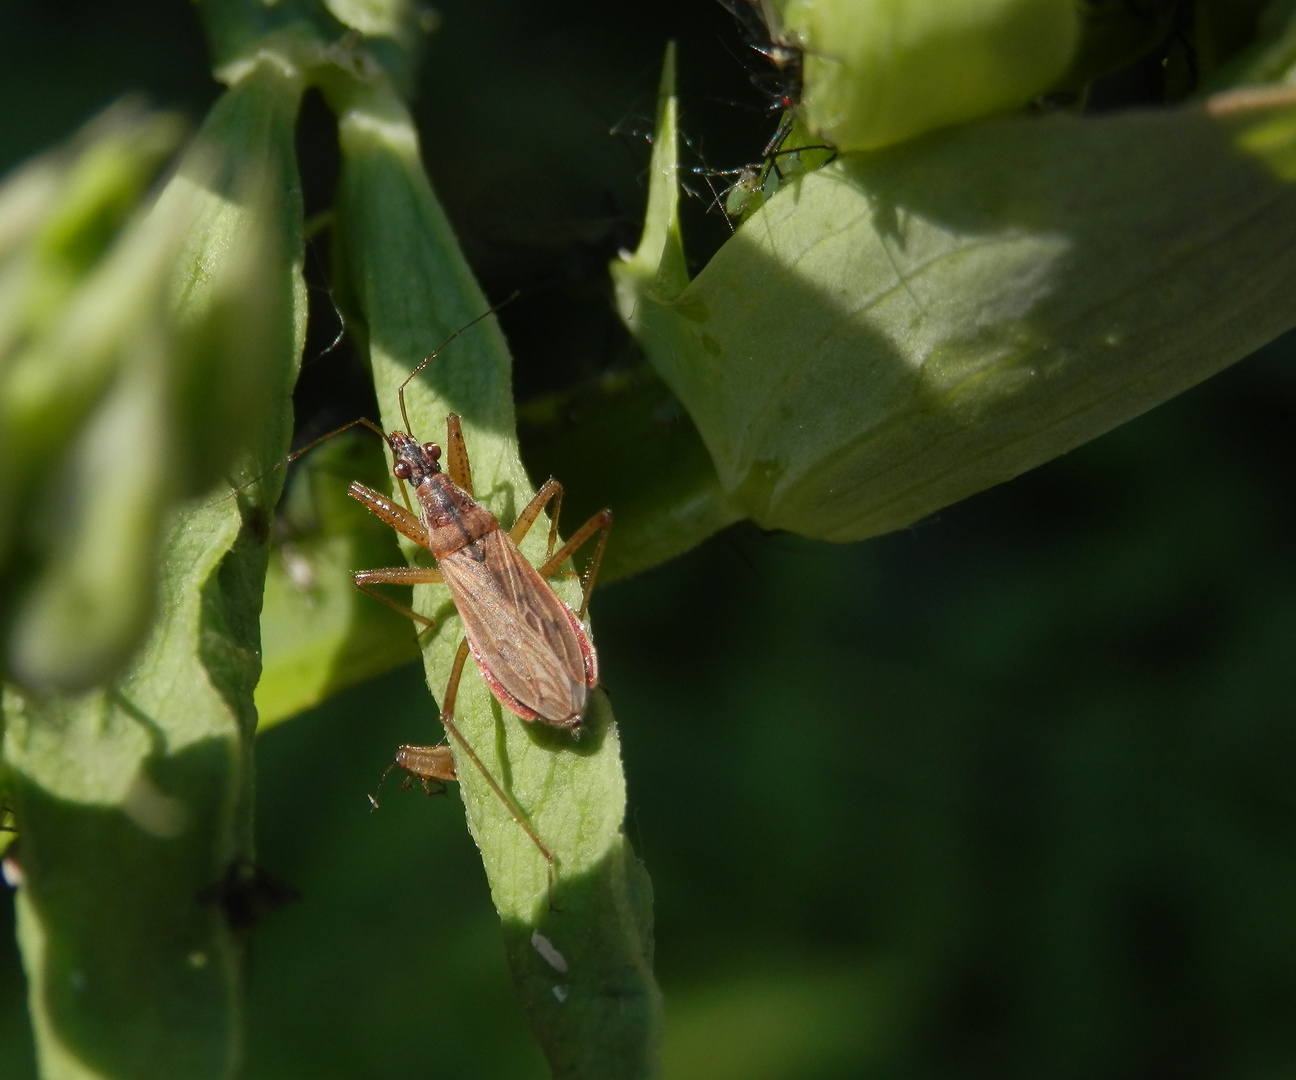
(530, 647)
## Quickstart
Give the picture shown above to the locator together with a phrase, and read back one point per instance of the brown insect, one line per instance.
(433, 766)
(531, 648)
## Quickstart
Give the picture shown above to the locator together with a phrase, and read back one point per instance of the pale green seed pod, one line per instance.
(85, 461)
(877, 72)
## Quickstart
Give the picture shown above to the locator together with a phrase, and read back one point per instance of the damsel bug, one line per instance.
(531, 648)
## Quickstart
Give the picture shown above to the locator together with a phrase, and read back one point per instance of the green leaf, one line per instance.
(661, 482)
(597, 1012)
(901, 329)
(129, 805)
(1268, 55)
(135, 801)
(659, 262)
(75, 286)
(319, 633)
(144, 389)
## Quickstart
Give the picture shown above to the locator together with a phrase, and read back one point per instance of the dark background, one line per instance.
(1009, 794)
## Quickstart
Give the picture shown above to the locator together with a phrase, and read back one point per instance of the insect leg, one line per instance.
(599, 523)
(397, 575)
(551, 489)
(457, 454)
(447, 721)
(361, 422)
(775, 144)
(398, 517)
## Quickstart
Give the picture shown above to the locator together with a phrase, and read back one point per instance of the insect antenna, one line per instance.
(315, 226)
(359, 422)
(400, 391)
(373, 799)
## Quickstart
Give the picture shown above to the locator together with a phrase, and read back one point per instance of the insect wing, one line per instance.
(527, 642)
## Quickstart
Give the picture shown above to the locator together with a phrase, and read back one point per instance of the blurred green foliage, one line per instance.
(135, 796)
(1007, 794)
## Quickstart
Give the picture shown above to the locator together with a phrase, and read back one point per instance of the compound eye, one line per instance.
(432, 451)
(402, 471)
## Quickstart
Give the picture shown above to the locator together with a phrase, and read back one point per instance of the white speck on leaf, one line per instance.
(548, 952)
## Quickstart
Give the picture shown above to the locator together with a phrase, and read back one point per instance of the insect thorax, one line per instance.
(452, 519)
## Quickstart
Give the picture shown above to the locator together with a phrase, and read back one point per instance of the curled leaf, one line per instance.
(901, 329)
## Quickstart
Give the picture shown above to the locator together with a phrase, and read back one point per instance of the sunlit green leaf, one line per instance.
(597, 1012)
(900, 330)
